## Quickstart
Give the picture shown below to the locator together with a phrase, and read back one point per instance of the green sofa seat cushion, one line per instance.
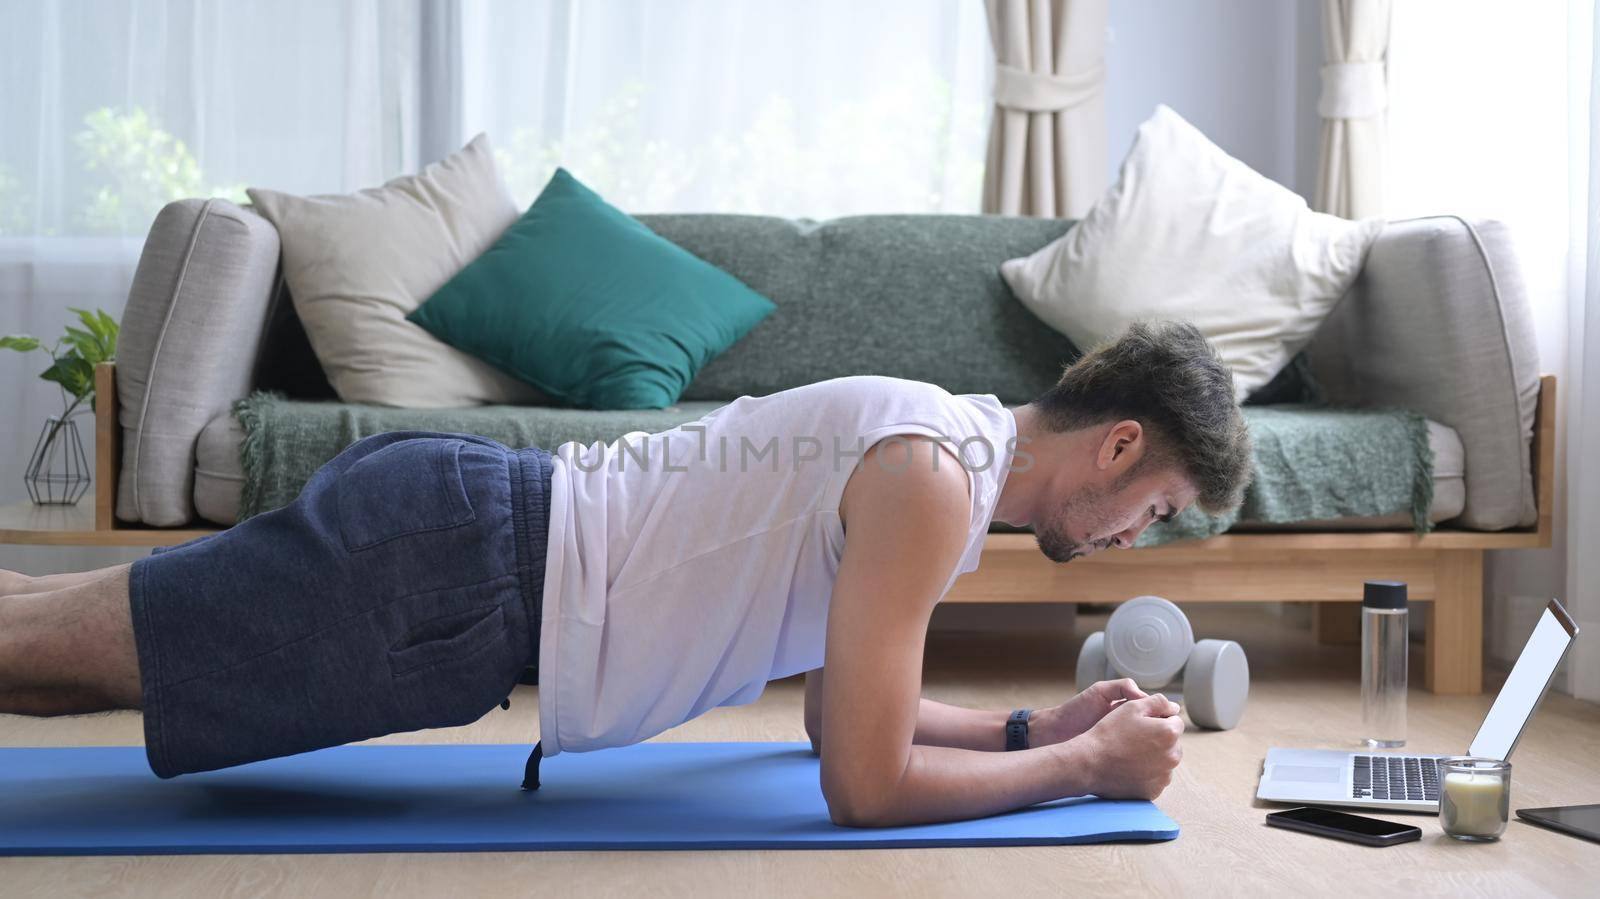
(587, 304)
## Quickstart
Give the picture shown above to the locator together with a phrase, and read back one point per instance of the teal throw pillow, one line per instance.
(585, 303)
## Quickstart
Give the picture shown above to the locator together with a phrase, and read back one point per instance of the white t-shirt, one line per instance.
(686, 569)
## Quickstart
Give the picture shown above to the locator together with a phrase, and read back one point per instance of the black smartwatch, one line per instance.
(1017, 729)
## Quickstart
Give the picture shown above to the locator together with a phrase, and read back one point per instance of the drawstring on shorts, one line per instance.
(530, 774)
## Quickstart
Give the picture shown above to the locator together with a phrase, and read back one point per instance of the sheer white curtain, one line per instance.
(816, 109)
(110, 110)
(1510, 139)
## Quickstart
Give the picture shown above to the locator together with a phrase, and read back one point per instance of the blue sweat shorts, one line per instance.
(401, 590)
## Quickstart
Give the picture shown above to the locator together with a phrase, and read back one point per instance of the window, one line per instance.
(813, 109)
(820, 109)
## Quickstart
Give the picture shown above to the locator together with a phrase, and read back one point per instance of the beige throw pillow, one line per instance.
(357, 263)
(1189, 233)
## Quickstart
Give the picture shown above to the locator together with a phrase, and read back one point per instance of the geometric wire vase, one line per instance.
(58, 470)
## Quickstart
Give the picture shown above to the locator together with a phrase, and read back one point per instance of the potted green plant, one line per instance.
(58, 469)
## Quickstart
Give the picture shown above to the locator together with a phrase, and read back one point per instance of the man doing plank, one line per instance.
(418, 575)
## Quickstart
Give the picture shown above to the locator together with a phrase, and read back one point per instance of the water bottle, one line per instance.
(1383, 664)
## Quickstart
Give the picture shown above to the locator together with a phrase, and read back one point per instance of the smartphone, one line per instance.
(1355, 828)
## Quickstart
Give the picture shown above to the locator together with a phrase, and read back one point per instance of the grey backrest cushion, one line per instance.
(1439, 322)
(190, 334)
(913, 296)
(909, 296)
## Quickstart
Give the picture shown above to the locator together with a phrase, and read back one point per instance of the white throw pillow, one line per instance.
(1189, 233)
(357, 263)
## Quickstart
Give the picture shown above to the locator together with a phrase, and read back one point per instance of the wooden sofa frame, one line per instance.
(1444, 568)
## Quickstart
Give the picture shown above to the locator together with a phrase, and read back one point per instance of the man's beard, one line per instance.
(1083, 507)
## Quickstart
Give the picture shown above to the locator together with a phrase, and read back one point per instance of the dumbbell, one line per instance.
(1149, 640)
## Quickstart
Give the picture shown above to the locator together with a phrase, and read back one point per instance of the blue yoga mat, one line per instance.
(458, 798)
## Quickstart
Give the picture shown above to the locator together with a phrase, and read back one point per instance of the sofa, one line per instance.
(1437, 323)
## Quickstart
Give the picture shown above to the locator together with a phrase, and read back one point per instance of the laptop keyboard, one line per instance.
(1402, 777)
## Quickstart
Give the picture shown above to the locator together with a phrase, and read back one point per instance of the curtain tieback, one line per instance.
(1026, 91)
(1352, 90)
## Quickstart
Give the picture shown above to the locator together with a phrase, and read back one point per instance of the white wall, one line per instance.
(1245, 72)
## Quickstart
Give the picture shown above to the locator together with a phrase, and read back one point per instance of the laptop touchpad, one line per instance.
(1307, 774)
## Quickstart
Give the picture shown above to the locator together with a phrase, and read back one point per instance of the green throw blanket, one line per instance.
(1311, 463)
(286, 441)
(1316, 463)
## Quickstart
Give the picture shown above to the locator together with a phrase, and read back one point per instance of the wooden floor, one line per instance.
(1304, 695)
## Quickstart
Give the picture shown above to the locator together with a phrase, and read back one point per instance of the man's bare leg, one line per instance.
(69, 651)
(14, 582)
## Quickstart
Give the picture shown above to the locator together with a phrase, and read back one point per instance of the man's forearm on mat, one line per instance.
(945, 784)
(940, 724)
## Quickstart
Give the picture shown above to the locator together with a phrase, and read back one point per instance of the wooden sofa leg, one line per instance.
(107, 446)
(1455, 633)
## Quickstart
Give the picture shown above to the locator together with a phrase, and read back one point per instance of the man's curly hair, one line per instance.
(1167, 377)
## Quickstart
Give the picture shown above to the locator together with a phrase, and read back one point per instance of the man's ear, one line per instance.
(1122, 447)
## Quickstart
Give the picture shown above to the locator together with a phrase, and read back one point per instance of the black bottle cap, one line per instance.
(1384, 595)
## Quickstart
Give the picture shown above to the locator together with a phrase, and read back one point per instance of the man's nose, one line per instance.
(1127, 538)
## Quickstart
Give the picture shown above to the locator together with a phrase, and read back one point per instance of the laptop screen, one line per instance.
(1525, 685)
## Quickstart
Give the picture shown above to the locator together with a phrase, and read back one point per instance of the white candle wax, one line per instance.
(1474, 804)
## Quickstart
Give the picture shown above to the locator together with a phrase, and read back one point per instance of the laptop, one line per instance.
(1404, 782)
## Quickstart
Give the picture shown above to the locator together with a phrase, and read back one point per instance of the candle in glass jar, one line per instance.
(1474, 804)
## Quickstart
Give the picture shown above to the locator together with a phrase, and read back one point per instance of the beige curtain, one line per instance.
(1355, 41)
(1047, 140)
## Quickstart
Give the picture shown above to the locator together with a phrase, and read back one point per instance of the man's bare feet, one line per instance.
(69, 650)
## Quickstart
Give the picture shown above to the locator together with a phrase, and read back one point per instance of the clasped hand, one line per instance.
(1130, 738)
